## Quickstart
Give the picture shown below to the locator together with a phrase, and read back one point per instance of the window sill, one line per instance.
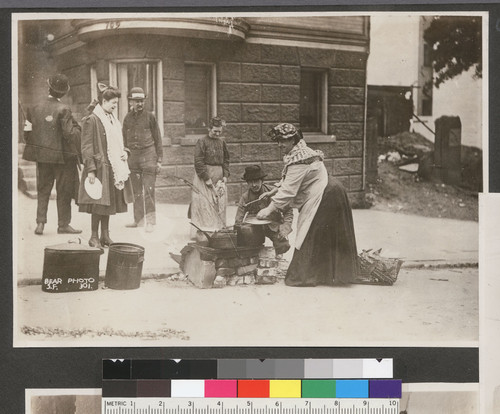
(312, 138)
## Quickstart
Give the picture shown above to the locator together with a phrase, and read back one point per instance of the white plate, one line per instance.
(256, 221)
(93, 190)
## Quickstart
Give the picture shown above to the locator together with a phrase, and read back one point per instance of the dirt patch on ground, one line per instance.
(404, 192)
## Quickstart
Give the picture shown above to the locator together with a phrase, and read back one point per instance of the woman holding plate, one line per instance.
(325, 245)
(105, 187)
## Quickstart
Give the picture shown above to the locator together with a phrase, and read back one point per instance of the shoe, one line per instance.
(149, 228)
(105, 240)
(68, 230)
(132, 225)
(39, 228)
(94, 242)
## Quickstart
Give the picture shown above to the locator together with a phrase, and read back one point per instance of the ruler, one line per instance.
(154, 405)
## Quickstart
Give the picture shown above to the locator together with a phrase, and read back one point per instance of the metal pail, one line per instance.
(124, 267)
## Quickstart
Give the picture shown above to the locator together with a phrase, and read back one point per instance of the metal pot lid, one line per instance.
(73, 247)
(256, 221)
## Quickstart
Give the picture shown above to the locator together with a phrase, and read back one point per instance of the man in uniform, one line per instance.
(53, 141)
(143, 138)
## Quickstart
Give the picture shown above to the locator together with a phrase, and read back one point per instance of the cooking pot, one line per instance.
(249, 235)
(220, 239)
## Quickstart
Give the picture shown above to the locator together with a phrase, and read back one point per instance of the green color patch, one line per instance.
(318, 389)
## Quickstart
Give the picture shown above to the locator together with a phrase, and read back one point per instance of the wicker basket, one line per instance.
(377, 270)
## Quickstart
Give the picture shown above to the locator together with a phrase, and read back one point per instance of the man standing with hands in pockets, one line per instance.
(143, 138)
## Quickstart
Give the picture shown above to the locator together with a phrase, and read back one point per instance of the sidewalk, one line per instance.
(417, 240)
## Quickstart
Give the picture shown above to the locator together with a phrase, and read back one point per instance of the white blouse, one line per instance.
(302, 188)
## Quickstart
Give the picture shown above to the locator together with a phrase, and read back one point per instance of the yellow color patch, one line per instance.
(285, 388)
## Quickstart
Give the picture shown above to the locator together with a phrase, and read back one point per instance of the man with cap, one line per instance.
(252, 201)
(52, 138)
(143, 138)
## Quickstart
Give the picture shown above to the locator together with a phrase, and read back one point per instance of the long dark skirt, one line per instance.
(328, 254)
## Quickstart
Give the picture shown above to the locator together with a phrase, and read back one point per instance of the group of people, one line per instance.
(125, 161)
(119, 164)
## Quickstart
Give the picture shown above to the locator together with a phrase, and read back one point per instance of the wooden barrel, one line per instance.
(124, 267)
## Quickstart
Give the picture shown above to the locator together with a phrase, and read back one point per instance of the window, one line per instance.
(200, 100)
(145, 74)
(427, 55)
(427, 99)
(313, 101)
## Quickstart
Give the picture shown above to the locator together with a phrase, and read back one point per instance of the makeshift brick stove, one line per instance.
(207, 267)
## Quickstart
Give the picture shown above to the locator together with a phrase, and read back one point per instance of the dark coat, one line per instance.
(55, 135)
(94, 153)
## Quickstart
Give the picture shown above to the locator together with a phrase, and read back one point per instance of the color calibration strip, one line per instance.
(128, 369)
(252, 388)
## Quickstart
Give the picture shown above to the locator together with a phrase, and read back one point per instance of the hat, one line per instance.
(137, 94)
(283, 131)
(253, 172)
(217, 121)
(59, 83)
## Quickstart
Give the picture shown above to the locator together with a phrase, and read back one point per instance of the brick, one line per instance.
(267, 252)
(225, 271)
(316, 57)
(265, 262)
(347, 131)
(230, 112)
(78, 75)
(261, 113)
(237, 171)
(173, 195)
(254, 260)
(235, 280)
(345, 96)
(283, 265)
(185, 171)
(356, 149)
(358, 78)
(357, 113)
(329, 166)
(249, 279)
(233, 193)
(267, 272)
(355, 183)
(350, 60)
(234, 262)
(165, 177)
(258, 152)
(334, 150)
(265, 280)
(347, 166)
(173, 112)
(238, 92)
(339, 113)
(243, 52)
(339, 77)
(174, 130)
(290, 113)
(234, 152)
(219, 282)
(173, 69)
(80, 94)
(176, 154)
(173, 90)
(279, 54)
(260, 73)
(290, 75)
(280, 93)
(243, 132)
(246, 269)
(229, 72)
(273, 170)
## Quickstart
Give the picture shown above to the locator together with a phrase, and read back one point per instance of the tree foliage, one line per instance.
(455, 43)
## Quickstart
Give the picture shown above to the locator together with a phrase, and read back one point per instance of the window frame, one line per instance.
(212, 93)
(123, 100)
(323, 103)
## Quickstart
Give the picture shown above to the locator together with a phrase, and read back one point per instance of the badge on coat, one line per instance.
(49, 118)
(93, 190)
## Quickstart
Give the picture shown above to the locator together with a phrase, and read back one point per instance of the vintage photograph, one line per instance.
(63, 401)
(248, 179)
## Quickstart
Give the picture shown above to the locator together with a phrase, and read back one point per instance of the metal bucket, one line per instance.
(124, 267)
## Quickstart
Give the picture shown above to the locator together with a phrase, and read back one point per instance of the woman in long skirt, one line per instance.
(325, 245)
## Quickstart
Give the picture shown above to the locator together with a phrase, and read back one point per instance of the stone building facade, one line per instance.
(253, 71)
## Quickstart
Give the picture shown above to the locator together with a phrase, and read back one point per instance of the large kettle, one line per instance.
(220, 239)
